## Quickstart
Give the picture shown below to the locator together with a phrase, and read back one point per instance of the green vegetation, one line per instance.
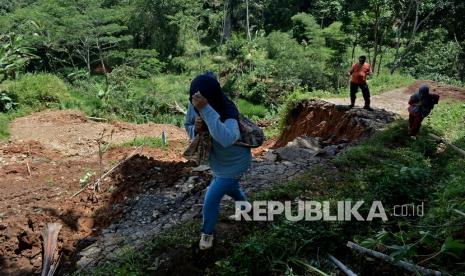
(152, 142)
(389, 167)
(251, 110)
(36, 91)
(448, 119)
(133, 60)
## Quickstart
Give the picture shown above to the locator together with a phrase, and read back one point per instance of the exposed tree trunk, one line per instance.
(249, 37)
(100, 54)
(227, 21)
(380, 62)
(89, 70)
(400, 28)
(399, 58)
(376, 42)
(354, 44)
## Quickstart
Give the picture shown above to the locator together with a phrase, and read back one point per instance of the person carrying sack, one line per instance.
(420, 105)
(211, 115)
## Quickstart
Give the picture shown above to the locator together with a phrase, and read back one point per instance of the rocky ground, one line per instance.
(158, 209)
(50, 152)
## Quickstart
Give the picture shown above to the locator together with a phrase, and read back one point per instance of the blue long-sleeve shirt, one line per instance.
(226, 159)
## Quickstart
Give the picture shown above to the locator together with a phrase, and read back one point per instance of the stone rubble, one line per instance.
(157, 210)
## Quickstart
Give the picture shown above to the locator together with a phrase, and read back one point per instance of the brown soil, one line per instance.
(41, 167)
(397, 100)
(334, 124)
(445, 91)
(72, 134)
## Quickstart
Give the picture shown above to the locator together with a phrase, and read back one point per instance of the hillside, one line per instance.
(96, 97)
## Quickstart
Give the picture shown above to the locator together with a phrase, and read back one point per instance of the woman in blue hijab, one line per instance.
(210, 110)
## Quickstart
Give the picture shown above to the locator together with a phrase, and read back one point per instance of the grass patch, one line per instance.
(377, 84)
(4, 126)
(250, 110)
(448, 119)
(151, 142)
(388, 167)
(37, 91)
(6, 118)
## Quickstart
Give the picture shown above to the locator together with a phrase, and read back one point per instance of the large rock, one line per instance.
(300, 148)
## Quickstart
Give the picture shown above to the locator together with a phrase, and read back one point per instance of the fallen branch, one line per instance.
(177, 108)
(109, 171)
(28, 168)
(96, 119)
(454, 147)
(341, 266)
(50, 236)
(405, 265)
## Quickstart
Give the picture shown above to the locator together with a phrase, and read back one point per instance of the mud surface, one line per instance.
(74, 135)
(41, 167)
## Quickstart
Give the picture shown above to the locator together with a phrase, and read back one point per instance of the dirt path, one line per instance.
(393, 101)
(397, 100)
(71, 133)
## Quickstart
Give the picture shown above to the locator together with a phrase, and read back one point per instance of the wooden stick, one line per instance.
(50, 236)
(454, 147)
(341, 266)
(405, 265)
(97, 119)
(109, 171)
(28, 168)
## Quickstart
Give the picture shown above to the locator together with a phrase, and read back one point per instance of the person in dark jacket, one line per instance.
(420, 105)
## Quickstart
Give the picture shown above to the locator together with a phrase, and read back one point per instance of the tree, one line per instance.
(413, 14)
(14, 57)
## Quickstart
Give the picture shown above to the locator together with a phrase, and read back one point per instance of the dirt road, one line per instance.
(397, 100)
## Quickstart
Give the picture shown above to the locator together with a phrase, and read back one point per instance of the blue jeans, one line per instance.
(211, 207)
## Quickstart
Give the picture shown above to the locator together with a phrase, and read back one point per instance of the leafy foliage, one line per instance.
(37, 91)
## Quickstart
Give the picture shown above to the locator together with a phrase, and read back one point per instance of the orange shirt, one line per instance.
(360, 72)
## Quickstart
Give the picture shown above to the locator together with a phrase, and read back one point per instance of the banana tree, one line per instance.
(13, 56)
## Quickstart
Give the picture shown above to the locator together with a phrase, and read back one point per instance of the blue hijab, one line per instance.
(423, 91)
(210, 88)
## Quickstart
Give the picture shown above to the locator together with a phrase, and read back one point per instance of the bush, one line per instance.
(37, 91)
(251, 110)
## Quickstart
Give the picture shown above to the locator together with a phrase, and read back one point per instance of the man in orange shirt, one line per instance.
(359, 74)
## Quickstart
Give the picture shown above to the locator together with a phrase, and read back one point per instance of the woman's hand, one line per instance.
(199, 101)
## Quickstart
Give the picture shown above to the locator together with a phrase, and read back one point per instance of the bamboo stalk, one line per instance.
(97, 119)
(405, 265)
(454, 147)
(341, 266)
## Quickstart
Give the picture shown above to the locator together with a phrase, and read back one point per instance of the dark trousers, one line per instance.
(365, 91)
(414, 120)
